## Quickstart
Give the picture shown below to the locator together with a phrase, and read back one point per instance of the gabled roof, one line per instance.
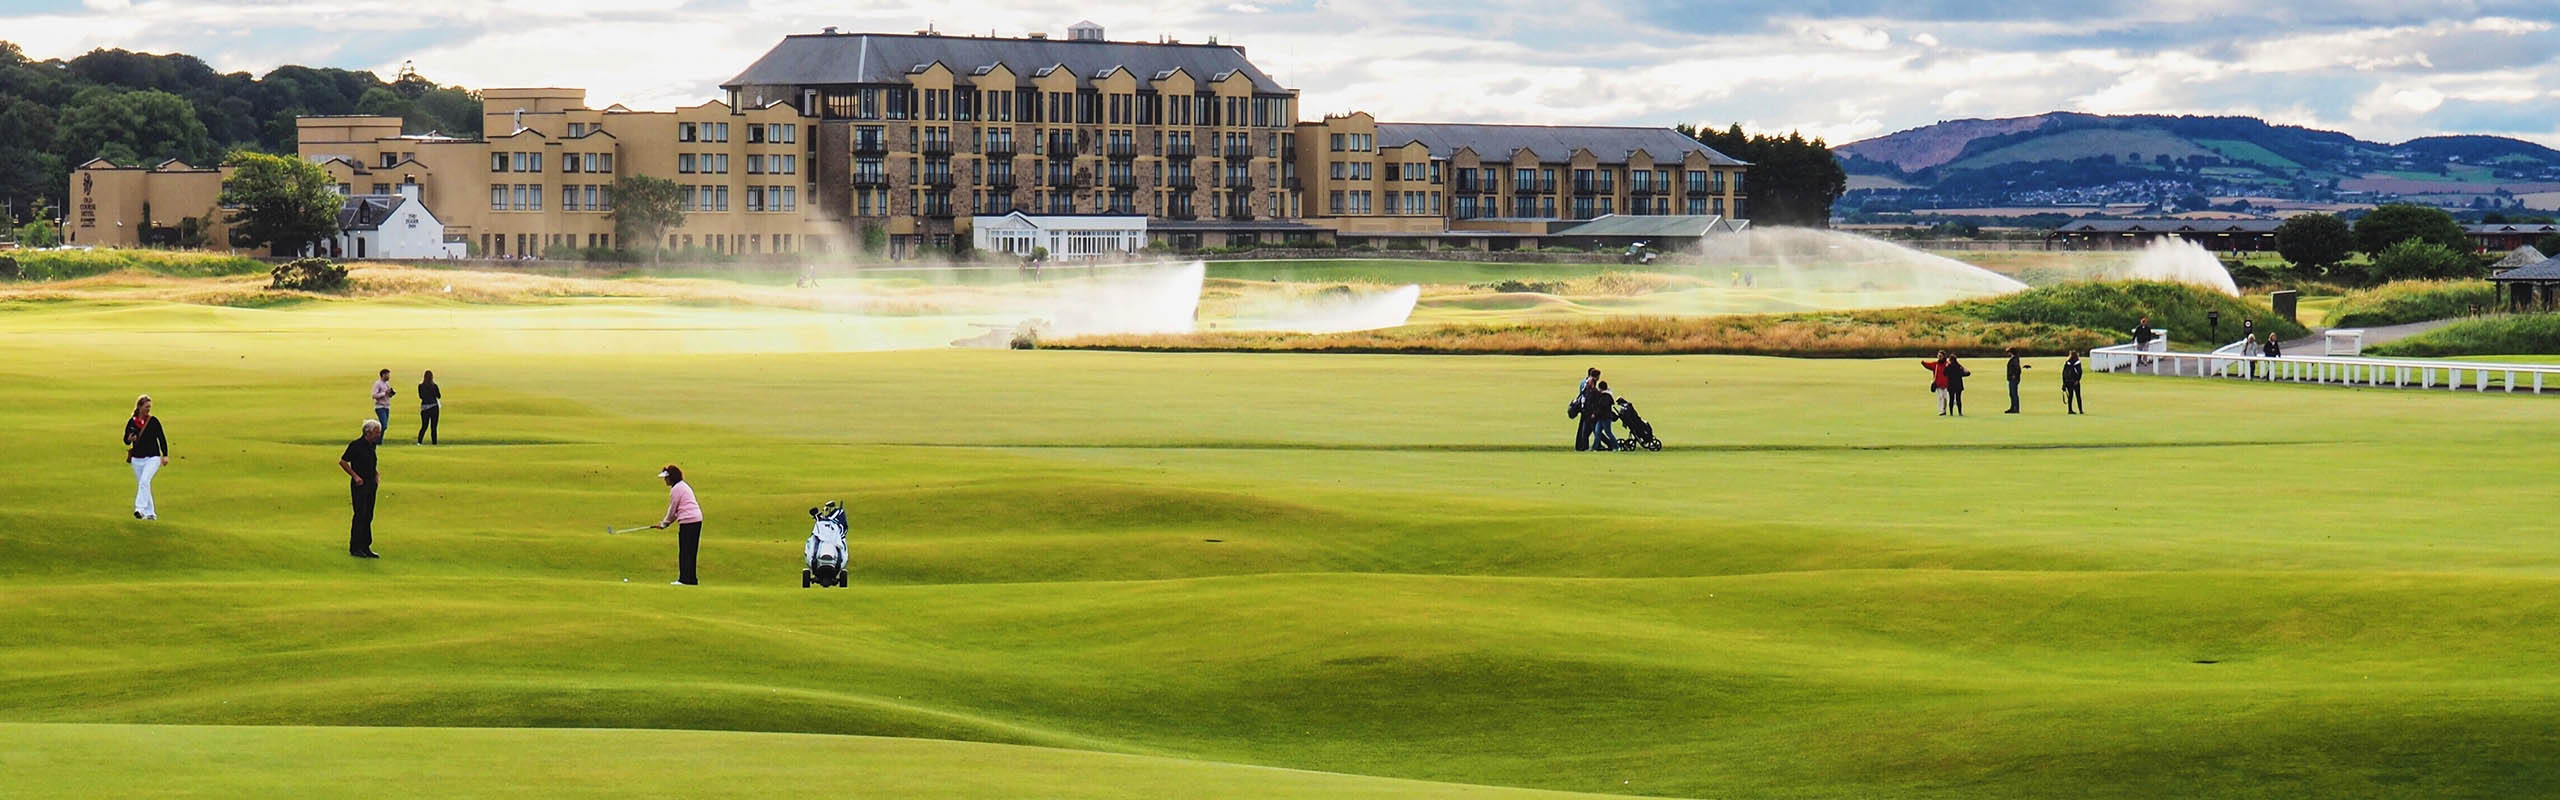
(1611, 145)
(2548, 270)
(825, 59)
(2512, 227)
(2524, 256)
(2170, 226)
(365, 212)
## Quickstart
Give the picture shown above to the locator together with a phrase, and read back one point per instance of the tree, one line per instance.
(2393, 224)
(150, 125)
(40, 232)
(643, 209)
(2549, 246)
(2315, 243)
(1792, 180)
(282, 202)
(2415, 259)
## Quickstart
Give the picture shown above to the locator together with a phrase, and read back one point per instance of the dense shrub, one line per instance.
(308, 275)
(8, 268)
(2115, 307)
(2503, 335)
(2414, 260)
(2412, 301)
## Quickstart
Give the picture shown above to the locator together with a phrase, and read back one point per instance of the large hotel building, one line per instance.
(912, 136)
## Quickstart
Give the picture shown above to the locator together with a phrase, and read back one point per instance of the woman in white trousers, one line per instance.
(146, 448)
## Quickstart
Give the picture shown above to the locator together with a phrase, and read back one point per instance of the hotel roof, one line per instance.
(819, 59)
(1612, 145)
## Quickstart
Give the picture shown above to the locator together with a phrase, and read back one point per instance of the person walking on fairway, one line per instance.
(1602, 409)
(686, 514)
(382, 393)
(1582, 410)
(2017, 372)
(1955, 375)
(2071, 384)
(364, 483)
(146, 449)
(1937, 368)
(430, 408)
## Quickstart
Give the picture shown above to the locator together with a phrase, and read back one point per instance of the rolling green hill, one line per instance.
(1126, 575)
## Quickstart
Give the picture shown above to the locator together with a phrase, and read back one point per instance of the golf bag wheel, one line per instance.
(805, 579)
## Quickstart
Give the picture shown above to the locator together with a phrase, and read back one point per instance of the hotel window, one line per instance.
(590, 192)
(1337, 206)
(1341, 171)
(720, 132)
(1337, 142)
(685, 132)
(684, 163)
(723, 193)
(519, 198)
(389, 159)
(755, 163)
(498, 198)
(537, 196)
(604, 197)
(755, 198)
(690, 201)
(755, 134)
(497, 162)
(719, 163)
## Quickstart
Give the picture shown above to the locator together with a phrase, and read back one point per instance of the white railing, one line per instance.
(2228, 362)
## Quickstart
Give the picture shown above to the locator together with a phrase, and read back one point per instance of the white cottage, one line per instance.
(388, 226)
(1064, 236)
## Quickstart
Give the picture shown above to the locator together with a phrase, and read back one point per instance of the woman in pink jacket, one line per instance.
(686, 514)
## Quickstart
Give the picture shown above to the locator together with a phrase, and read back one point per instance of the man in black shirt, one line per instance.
(363, 482)
(2017, 372)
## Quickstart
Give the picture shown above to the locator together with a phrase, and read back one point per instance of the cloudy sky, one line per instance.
(1844, 69)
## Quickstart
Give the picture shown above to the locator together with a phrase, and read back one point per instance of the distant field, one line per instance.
(2249, 153)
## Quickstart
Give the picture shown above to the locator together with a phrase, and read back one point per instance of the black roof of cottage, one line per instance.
(2170, 226)
(1610, 144)
(2548, 270)
(819, 59)
(365, 212)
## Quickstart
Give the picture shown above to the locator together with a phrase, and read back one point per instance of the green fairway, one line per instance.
(1084, 574)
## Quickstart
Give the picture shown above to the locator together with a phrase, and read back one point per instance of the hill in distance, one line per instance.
(2066, 158)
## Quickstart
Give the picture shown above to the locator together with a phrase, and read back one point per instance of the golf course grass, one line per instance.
(1093, 574)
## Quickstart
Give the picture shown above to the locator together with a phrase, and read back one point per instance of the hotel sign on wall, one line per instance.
(88, 204)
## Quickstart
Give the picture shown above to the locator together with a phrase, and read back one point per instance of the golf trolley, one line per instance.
(825, 564)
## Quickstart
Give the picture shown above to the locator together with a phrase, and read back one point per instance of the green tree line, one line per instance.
(143, 108)
(1793, 180)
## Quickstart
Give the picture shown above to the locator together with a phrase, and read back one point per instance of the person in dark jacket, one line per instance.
(146, 449)
(430, 408)
(2017, 372)
(2275, 349)
(1581, 410)
(1955, 373)
(2143, 336)
(2071, 385)
(1602, 407)
(364, 483)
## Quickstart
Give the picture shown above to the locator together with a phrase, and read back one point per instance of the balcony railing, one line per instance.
(938, 210)
(1238, 151)
(1182, 182)
(1001, 180)
(1061, 180)
(1002, 149)
(1178, 151)
(1533, 187)
(1120, 150)
(1700, 189)
(942, 179)
(1062, 145)
(1124, 181)
(1646, 189)
(937, 147)
(870, 179)
(1181, 214)
(870, 147)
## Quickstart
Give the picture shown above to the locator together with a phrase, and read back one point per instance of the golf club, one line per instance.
(611, 530)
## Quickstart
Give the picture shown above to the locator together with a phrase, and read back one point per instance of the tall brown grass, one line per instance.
(1844, 335)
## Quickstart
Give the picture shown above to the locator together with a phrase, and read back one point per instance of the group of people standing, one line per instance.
(146, 446)
(1947, 373)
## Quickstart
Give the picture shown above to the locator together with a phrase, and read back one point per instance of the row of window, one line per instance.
(528, 197)
(702, 131)
(569, 162)
(702, 164)
(1085, 107)
(773, 198)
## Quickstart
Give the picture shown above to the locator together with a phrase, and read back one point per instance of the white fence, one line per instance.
(2231, 362)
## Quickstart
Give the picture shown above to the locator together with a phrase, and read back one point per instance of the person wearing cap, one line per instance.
(364, 483)
(686, 514)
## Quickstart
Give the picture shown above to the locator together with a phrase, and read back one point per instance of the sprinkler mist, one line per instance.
(2178, 261)
(1823, 269)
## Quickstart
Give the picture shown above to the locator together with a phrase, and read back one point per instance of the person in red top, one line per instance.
(1937, 368)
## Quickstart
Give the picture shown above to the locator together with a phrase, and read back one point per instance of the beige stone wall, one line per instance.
(111, 204)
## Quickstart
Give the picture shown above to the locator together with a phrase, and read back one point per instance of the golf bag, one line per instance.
(826, 556)
(1639, 433)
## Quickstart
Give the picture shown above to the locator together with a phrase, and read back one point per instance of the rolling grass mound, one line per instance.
(1094, 574)
(2502, 335)
(2412, 301)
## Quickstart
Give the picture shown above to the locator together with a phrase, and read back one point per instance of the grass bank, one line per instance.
(2043, 320)
(2501, 335)
(2401, 302)
(58, 265)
